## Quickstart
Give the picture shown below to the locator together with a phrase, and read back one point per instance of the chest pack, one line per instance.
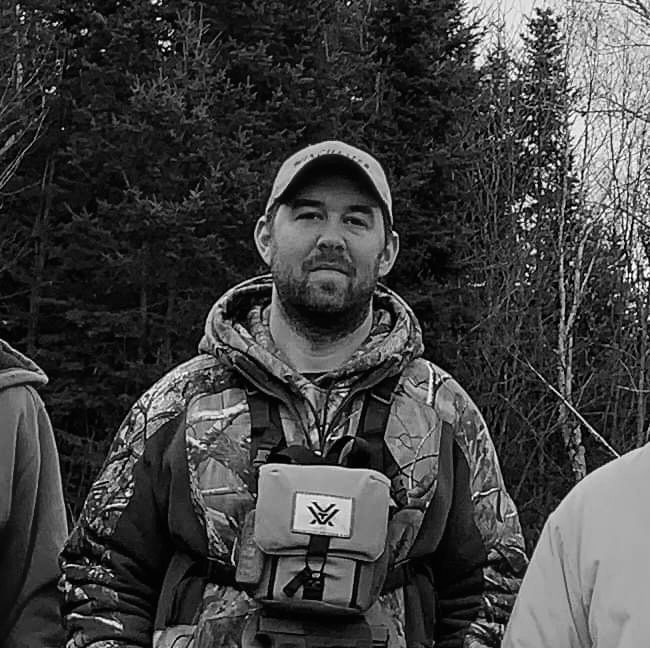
(316, 542)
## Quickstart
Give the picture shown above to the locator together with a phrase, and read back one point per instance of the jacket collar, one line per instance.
(237, 329)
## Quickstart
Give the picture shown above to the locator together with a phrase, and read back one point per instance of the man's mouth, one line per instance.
(336, 267)
(330, 267)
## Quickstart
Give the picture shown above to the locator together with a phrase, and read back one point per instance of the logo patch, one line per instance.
(318, 514)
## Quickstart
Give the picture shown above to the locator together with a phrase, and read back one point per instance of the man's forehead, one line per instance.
(333, 186)
(369, 207)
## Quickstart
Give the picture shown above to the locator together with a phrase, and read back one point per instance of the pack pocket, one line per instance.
(250, 563)
(321, 532)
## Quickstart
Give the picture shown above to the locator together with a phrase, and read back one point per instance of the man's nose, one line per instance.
(331, 236)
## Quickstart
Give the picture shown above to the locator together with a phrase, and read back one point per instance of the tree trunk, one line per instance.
(169, 319)
(40, 236)
(144, 302)
(641, 432)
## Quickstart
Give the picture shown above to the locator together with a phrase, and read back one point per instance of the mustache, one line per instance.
(334, 261)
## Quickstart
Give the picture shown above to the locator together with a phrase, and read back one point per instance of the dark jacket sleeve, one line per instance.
(115, 559)
(480, 559)
(33, 524)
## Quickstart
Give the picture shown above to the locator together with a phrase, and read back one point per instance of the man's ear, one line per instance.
(389, 254)
(263, 237)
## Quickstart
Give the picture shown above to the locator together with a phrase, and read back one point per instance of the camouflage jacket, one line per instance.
(173, 492)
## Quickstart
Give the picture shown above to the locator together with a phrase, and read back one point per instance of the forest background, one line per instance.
(138, 141)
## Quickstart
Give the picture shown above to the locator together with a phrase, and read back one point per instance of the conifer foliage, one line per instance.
(168, 123)
(155, 128)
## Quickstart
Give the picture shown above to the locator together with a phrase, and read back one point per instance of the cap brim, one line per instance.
(346, 165)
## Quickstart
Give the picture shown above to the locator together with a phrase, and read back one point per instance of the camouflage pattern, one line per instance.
(217, 436)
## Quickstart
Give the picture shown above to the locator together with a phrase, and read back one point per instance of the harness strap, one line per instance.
(374, 417)
(372, 429)
(267, 436)
(266, 428)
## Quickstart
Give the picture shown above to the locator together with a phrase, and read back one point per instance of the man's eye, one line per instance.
(357, 221)
(308, 215)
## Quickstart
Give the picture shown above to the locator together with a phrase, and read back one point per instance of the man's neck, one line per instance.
(309, 353)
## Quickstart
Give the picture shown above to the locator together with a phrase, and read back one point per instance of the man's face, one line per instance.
(327, 248)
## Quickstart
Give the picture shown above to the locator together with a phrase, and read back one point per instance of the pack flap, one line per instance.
(350, 505)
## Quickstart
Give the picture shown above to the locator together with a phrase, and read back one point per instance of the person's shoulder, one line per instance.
(421, 380)
(19, 397)
(616, 475)
(610, 487)
(203, 371)
(426, 382)
(169, 397)
(23, 417)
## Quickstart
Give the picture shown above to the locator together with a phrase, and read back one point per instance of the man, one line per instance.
(588, 583)
(315, 336)
(33, 523)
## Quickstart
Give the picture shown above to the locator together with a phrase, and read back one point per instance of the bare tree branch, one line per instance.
(26, 78)
(575, 412)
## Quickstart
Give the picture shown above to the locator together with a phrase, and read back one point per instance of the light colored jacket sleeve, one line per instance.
(549, 611)
(33, 523)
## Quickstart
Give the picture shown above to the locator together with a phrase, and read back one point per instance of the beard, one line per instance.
(328, 307)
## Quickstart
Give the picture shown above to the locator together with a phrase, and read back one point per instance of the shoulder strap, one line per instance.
(372, 428)
(374, 418)
(266, 427)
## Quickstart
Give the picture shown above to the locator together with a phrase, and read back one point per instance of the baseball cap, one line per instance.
(298, 162)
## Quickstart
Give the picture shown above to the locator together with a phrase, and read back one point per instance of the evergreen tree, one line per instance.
(169, 122)
(171, 119)
(426, 85)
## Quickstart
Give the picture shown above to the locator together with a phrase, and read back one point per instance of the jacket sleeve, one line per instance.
(115, 559)
(479, 562)
(549, 610)
(33, 523)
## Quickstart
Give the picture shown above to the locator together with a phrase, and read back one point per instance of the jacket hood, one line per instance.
(238, 326)
(18, 369)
